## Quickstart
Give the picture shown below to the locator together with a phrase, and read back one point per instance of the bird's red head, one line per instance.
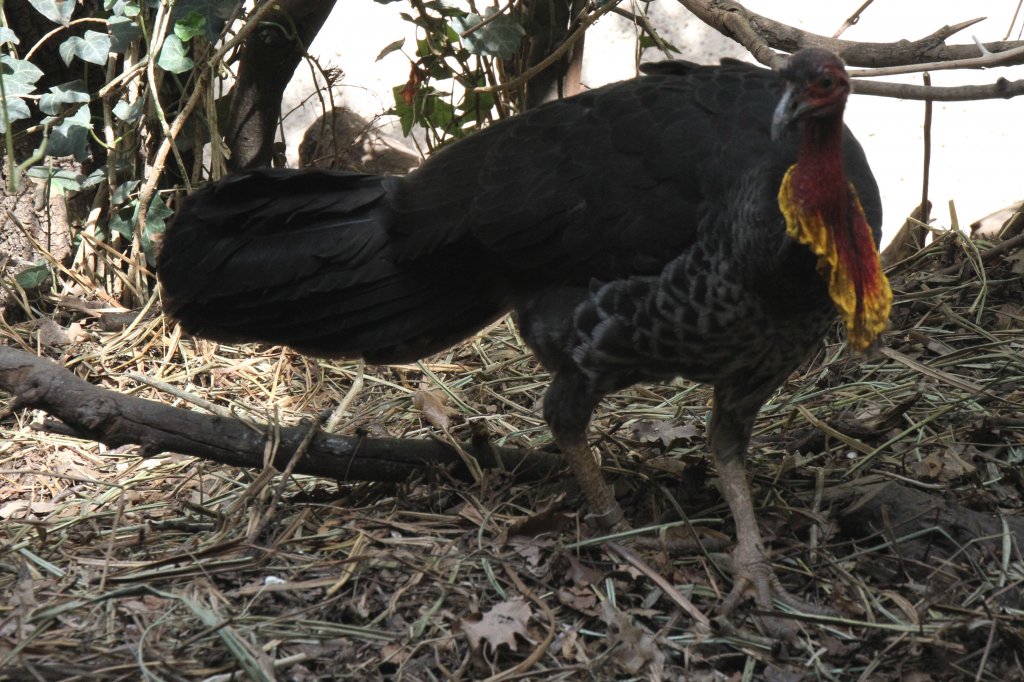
(817, 86)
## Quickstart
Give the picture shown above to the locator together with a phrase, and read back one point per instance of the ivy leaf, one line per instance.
(499, 37)
(122, 32)
(123, 192)
(403, 109)
(174, 56)
(19, 76)
(121, 8)
(66, 180)
(215, 14)
(392, 47)
(70, 137)
(647, 43)
(33, 277)
(191, 26)
(57, 11)
(92, 47)
(16, 110)
(129, 113)
(121, 225)
(19, 79)
(8, 36)
(156, 224)
(65, 93)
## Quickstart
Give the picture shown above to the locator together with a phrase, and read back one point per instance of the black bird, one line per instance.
(708, 222)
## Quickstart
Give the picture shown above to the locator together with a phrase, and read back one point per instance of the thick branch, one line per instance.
(761, 36)
(931, 527)
(267, 62)
(108, 417)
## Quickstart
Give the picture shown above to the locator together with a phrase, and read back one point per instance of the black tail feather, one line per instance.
(309, 259)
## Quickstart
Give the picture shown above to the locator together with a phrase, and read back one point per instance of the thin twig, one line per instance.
(852, 19)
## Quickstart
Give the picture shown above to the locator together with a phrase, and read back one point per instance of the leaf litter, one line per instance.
(889, 489)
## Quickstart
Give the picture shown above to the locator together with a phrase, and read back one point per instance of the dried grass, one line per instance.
(170, 568)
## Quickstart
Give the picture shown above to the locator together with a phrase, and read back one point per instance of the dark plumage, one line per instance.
(635, 230)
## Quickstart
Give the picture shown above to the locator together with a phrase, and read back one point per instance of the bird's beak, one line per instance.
(789, 110)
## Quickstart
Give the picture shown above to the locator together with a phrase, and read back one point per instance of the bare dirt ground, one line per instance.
(889, 489)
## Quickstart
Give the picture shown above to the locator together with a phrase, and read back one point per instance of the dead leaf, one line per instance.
(664, 432)
(578, 598)
(52, 334)
(917, 676)
(431, 404)
(943, 467)
(1010, 316)
(633, 648)
(530, 548)
(500, 625)
(412, 85)
(1016, 263)
(580, 574)
(22, 509)
(668, 465)
(548, 521)
(395, 653)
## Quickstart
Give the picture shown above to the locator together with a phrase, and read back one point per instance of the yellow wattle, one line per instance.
(865, 314)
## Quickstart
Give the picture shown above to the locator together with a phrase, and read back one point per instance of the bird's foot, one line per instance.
(754, 578)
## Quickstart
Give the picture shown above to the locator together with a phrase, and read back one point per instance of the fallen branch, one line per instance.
(929, 527)
(93, 413)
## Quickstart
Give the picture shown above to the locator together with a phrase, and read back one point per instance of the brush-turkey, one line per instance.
(708, 222)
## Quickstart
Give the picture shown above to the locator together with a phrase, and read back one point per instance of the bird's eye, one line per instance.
(826, 82)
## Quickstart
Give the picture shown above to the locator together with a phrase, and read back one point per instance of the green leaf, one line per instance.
(156, 224)
(445, 9)
(499, 37)
(647, 42)
(122, 193)
(443, 115)
(66, 180)
(121, 224)
(57, 11)
(122, 32)
(214, 12)
(92, 47)
(19, 76)
(391, 47)
(174, 56)
(16, 110)
(404, 112)
(129, 113)
(33, 277)
(8, 36)
(191, 26)
(65, 93)
(71, 136)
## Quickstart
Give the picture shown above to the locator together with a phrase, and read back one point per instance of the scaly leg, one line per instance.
(568, 405)
(603, 506)
(752, 574)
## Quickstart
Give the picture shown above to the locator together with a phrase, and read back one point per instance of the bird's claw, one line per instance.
(754, 578)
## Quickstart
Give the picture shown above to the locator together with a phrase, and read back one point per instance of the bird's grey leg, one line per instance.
(752, 574)
(568, 405)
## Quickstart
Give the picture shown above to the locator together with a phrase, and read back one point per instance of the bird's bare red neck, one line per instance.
(819, 178)
(823, 211)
